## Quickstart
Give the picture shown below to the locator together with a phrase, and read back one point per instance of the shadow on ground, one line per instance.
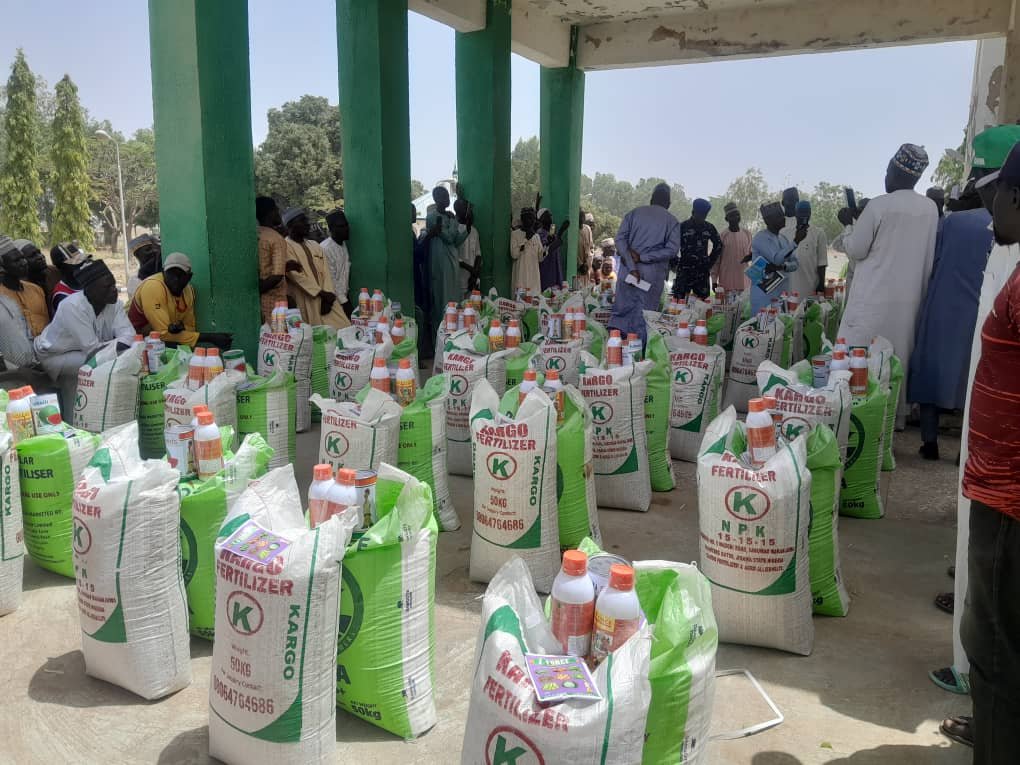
(188, 748)
(62, 680)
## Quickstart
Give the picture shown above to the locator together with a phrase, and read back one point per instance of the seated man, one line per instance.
(35, 263)
(65, 258)
(85, 321)
(165, 303)
(29, 297)
(146, 249)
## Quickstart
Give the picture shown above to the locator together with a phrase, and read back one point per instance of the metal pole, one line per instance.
(123, 217)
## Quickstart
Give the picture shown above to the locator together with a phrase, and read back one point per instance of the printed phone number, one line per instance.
(243, 701)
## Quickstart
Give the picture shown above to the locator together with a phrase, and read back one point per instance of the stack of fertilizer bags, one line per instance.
(290, 351)
(182, 395)
(657, 688)
(12, 545)
(107, 392)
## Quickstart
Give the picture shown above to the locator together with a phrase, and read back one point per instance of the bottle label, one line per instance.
(572, 624)
(614, 355)
(610, 634)
(381, 384)
(761, 444)
(496, 342)
(316, 512)
(512, 341)
(208, 457)
(700, 339)
(859, 381)
(21, 425)
(405, 391)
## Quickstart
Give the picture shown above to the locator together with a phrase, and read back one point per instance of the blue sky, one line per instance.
(836, 116)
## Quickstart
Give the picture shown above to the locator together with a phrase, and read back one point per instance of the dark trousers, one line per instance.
(929, 414)
(990, 632)
(687, 281)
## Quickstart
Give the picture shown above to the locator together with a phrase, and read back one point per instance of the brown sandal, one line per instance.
(945, 601)
(959, 729)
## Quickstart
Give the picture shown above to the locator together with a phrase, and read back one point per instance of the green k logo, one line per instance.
(683, 376)
(457, 385)
(743, 503)
(556, 362)
(502, 755)
(239, 618)
(269, 358)
(342, 381)
(80, 400)
(747, 503)
(499, 467)
(750, 341)
(244, 613)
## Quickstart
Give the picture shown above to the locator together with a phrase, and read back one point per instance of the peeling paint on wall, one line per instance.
(661, 33)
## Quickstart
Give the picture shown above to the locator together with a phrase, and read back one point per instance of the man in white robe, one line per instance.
(892, 247)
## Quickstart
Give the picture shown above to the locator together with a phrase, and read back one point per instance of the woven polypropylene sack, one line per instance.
(151, 425)
(466, 363)
(518, 364)
(577, 508)
(895, 384)
(803, 406)
(861, 493)
(615, 398)
(658, 406)
(351, 365)
(131, 603)
(696, 373)
(107, 393)
(323, 345)
(12, 542)
(828, 593)
(515, 509)
(422, 448)
(813, 330)
(50, 466)
(359, 436)
(761, 590)
(204, 506)
(504, 716)
(751, 346)
(291, 352)
(386, 647)
(266, 405)
(560, 356)
(219, 394)
(272, 689)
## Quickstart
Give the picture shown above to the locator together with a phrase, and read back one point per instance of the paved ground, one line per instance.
(862, 698)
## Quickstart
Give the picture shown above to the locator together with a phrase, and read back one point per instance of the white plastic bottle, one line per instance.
(761, 432)
(20, 422)
(196, 410)
(572, 605)
(398, 333)
(513, 334)
(213, 363)
(840, 345)
(684, 331)
(580, 321)
(380, 376)
(451, 318)
(772, 405)
(614, 350)
(859, 373)
(196, 369)
(382, 330)
(793, 302)
(139, 342)
(568, 325)
(342, 495)
(364, 303)
(632, 352)
(497, 338)
(617, 613)
(528, 384)
(322, 481)
(470, 318)
(378, 302)
(476, 300)
(555, 390)
(154, 348)
(406, 384)
(839, 362)
(700, 334)
(208, 447)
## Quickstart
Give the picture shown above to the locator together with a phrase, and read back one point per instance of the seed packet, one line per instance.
(558, 678)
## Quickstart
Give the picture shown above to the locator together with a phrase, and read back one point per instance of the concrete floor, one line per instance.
(862, 697)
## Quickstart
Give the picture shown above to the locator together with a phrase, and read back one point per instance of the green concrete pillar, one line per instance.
(202, 111)
(372, 47)
(562, 128)
(483, 137)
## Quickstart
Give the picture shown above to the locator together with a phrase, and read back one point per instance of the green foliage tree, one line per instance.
(950, 170)
(70, 159)
(827, 199)
(525, 174)
(299, 163)
(141, 197)
(20, 189)
(749, 192)
(417, 188)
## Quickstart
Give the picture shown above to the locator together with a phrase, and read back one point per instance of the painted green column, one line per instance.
(562, 128)
(483, 137)
(374, 119)
(202, 111)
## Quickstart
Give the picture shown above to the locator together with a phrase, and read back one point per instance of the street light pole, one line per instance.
(123, 217)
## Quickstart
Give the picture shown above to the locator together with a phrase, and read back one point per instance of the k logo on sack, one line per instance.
(458, 385)
(81, 540)
(750, 341)
(683, 376)
(556, 363)
(336, 444)
(747, 503)
(601, 412)
(244, 614)
(342, 381)
(794, 426)
(508, 746)
(80, 400)
(501, 466)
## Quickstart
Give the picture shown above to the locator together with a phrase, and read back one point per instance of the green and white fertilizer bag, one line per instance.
(127, 553)
(503, 308)
(204, 506)
(291, 352)
(615, 398)
(828, 594)
(814, 330)
(272, 695)
(594, 338)
(560, 356)
(802, 405)
(266, 405)
(861, 496)
(323, 345)
(151, 427)
(752, 346)
(387, 641)
(405, 349)
(359, 436)
(676, 599)
(219, 394)
(514, 487)
(49, 467)
(12, 535)
(506, 723)
(518, 364)
(754, 538)
(352, 362)
(577, 508)
(107, 393)
(886, 367)
(697, 373)
(658, 406)
(466, 362)
(797, 334)
(422, 447)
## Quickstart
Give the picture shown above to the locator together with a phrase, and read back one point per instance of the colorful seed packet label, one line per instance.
(255, 543)
(558, 678)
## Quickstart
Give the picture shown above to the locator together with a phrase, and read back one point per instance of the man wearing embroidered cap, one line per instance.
(892, 247)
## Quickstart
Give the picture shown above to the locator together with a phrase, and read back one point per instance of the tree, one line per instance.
(525, 174)
(69, 155)
(141, 197)
(827, 199)
(749, 192)
(950, 170)
(417, 188)
(299, 163)
(20, 188)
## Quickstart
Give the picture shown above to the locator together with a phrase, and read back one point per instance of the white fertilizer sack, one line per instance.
(803, 406)
(107, 393)
(272, 689)
(127, 565)
(516, 512)
(616, 399)
(561, 356)
(359, 436)
(754, 539)
(352, 361)
(751, 346)
(697, 377)
(220, 395)
(12, 535)
(291, 352)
